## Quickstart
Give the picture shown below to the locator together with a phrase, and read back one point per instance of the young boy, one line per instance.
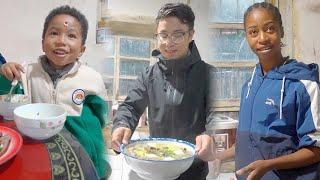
(58, 77)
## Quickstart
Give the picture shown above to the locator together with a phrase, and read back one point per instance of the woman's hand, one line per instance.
(256, 169)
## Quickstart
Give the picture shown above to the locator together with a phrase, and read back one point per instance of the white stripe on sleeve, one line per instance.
(313, 91)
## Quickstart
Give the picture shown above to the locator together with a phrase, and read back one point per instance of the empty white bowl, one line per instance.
(40, 121)
(6, 108)
(159, 169)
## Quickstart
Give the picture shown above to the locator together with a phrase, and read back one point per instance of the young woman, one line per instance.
(279, 110)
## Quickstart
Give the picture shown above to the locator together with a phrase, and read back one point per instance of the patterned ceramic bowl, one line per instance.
(40, 121)
(167, 158)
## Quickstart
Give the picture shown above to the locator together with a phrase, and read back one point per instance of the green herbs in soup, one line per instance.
(164, 151)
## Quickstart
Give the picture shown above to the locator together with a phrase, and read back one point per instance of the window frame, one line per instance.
(232, 104)
(117, 59)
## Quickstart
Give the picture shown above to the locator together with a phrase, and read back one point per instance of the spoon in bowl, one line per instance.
(13, 84)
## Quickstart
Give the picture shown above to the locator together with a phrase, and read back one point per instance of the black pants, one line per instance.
(198, 171)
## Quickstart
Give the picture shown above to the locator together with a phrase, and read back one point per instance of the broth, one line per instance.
(159, 150)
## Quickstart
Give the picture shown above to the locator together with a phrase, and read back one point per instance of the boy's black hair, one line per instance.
(270, 8)
(68, 11)
(182, 11)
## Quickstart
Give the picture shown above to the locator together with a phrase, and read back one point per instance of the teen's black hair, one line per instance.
(182, 11)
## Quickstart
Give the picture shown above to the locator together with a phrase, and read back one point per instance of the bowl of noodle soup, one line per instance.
(159, 158)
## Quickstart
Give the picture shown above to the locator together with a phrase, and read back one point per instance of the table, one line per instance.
(60, 157)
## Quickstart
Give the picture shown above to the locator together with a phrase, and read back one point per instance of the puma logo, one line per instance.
(269, 102)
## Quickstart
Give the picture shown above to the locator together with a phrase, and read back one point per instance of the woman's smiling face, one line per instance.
(263, 33)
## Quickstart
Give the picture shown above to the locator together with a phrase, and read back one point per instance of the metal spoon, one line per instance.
(13, 84)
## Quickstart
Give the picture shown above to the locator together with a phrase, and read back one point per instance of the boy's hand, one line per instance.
(119, 136)
(11, 70)
(205, 147)
(256, 169)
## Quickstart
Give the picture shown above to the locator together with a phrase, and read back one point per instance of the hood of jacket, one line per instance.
(178, 65)
(292, 70)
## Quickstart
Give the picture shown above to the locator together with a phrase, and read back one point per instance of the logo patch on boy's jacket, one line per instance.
(78, 96)
(269, 102)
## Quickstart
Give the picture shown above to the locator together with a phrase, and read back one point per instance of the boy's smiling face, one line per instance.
(62, 42)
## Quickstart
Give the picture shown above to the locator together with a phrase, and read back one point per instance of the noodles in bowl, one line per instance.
(159, 150)
(159, 158)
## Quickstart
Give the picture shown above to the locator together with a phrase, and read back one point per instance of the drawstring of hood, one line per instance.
(281, 91)
(250, 83)
(281, 97)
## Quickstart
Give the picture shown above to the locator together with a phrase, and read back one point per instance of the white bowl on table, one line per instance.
(165, 169)
(6, 108)
(40, 121)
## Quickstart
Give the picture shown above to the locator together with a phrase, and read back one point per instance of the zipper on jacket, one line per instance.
(54, 92)
(56, 89)
(253, 100)
(54, 96)
(253, 144)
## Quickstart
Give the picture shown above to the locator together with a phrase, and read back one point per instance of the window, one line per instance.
(229, 50)
(126, 57)
(134, 57)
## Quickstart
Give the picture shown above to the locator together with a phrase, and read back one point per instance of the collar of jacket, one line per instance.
(74, 69)
(168, 66)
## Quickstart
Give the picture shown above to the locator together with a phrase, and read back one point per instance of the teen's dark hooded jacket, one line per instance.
(178, 95)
